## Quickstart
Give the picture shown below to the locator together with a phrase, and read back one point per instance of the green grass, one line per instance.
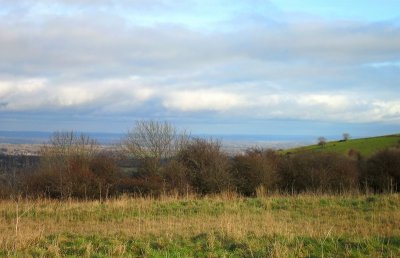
(217, 226)
(365, 146)
(214, 244)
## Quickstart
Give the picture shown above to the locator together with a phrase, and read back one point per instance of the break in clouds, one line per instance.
(156, 59)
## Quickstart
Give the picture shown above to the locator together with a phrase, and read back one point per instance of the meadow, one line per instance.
(223, 225)
(365, 146)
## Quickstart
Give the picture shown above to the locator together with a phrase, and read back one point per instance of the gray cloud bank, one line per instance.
(93, 58)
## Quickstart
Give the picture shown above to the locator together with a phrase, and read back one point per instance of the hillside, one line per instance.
(366, 146)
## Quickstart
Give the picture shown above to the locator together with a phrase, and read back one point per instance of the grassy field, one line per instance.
(365, 146)
(219, 226)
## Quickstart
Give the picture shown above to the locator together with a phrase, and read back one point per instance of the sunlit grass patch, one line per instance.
(305, 225)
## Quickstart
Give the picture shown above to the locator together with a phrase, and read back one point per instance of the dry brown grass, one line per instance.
(171, 216)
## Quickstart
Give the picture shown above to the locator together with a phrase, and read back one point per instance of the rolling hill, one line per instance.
(365, 146)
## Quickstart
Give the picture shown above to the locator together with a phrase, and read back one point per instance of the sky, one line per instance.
(279, 67)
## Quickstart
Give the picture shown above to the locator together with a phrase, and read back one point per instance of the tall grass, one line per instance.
(225, 224)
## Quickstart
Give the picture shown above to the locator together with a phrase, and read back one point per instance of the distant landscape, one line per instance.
(26, 140)
(158, 192)
(200, 128)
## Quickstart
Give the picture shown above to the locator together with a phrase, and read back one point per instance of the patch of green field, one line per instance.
(365, 146)
(211, 244)
(215, 226)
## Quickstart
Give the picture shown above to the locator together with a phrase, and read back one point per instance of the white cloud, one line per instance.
(386, 110)
(138, 94)
(5, 89)
(30, 85)
(85, 59)
(73, 96)
(18, 86)
(203, 100)
(329, 102)
(46, 96)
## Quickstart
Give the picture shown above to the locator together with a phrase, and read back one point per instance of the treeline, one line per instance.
(155, 159)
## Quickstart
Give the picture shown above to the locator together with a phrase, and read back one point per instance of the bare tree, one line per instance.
(66, 155)
(346, 136)
(67, 144)
(322, 141)
(154, 139)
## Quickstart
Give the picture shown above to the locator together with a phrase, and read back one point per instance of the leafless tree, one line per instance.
(66, 155)
(154, 139)
(68, 144)
(346, 136)
(322, 141)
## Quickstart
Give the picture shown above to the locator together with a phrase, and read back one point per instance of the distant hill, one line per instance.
(366, 146)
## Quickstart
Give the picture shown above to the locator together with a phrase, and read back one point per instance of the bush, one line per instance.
(254, 169)
(142, 185)
(322, 172)
(382, 171)
(5, 189)
(207, 166)
(175, 175)
(106, 172)
(72, 166)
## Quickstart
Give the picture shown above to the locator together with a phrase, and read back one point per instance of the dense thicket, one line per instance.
(382, 171)
(256, 168)
(72, 166)
(318, 172)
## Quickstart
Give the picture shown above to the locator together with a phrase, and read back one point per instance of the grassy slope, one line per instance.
(366, 146)
(277, 226)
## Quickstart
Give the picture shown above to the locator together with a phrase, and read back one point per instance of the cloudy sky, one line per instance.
(283, 67)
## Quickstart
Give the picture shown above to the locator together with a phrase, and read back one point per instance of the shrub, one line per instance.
(255, 168)
(207, 166)
(326, 172)
(141, 185)
(175, 175)
(72, 166)
(382, 171)
(354, 154)
(5, 189)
